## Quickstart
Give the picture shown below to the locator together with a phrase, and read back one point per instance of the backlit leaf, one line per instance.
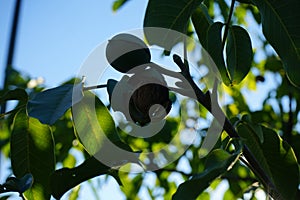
(32, 151)
(96, 130)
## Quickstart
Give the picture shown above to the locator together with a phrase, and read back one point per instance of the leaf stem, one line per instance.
(94, 87)
(228, 23)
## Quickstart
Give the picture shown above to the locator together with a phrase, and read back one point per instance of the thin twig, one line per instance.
(12, 111)
(94, 87)
(227, 24)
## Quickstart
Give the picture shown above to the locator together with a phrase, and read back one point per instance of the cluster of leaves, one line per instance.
(230, 39)
(258, 150)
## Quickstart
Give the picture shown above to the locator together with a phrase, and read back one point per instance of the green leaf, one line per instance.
(14, 78)
(273, 64)
(240, 180)
(276, 158)
(65, 179)
(254, 127)
(215, 49)
(48, 106)
(131, 185)
(16, 94)
(96, 130)
(280, 21)
(118, 4)
(239, 54)
(168, 14)
(218, 162)
(201, 21)
(63, 134)
(32, 151)
(93, 123)
(166, 134)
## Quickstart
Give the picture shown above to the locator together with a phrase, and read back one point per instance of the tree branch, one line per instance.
(219, 115)
(11, 49)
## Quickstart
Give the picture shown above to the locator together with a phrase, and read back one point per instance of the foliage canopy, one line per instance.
(259, 149)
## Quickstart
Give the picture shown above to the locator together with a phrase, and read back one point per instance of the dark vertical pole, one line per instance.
(11, 49)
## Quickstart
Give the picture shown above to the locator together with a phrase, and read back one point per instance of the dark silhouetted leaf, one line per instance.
(125, 51)
(16, 94)
(239, 54)
(255, 128)
(110, 87)
(65, 179)
(48, 106)
(214, 48)
(217, 163)
(273, 64)
(276, 158)
(168, 14)
(201, 21)
(32, 151)
(223, 8)
(280, 20)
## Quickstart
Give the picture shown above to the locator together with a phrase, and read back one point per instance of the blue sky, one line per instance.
(55, 36)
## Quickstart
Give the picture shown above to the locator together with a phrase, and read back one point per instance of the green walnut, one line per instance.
(126, 51)
(144, 98)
